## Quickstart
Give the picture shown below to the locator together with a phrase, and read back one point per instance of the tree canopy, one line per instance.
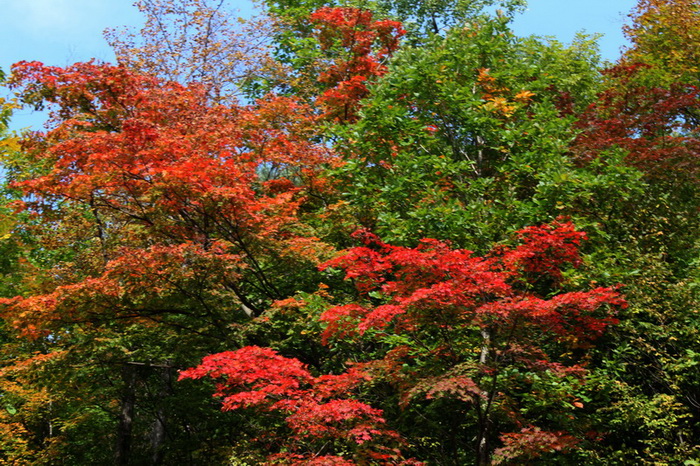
(353, 233)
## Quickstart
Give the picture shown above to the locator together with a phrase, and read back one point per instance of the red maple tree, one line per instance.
(165, 178)
(443, 302)
(317, 410)
(656, 126)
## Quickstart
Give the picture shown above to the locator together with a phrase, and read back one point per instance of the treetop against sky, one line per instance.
(61, 32)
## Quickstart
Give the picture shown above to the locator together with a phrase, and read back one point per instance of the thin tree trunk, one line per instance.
(483, 455)
(126, 416)
(159, 425)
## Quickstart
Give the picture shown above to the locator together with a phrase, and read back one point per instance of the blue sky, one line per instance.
(60, 32)
(564, 18)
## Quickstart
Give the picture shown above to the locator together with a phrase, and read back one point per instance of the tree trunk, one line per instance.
(126, 416)
(483, 454)
(159, 425)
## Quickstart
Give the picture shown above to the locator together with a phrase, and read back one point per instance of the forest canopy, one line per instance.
(354, 233)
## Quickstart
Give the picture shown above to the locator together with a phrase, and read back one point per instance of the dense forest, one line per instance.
(354, 233)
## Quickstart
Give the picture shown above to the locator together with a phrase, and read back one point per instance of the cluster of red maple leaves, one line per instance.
(430, 288)
(363, 44)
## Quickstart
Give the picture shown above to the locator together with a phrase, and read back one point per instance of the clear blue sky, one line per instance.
(60, 32)
(564, 18)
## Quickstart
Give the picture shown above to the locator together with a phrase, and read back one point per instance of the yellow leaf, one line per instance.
(523, 96)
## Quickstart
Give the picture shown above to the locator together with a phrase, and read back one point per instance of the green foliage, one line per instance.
(465, 136)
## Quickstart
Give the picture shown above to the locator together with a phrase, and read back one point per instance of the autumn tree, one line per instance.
(159, 221)
(200, 41)
(450, 332)
(322, 423)
(358, 47)
(662, 33)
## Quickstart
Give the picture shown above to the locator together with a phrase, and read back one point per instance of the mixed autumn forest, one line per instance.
(360, 232)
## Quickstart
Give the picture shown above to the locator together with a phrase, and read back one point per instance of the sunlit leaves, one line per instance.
(315, 409)
(160, 157)
(664, 35)
(358, 45)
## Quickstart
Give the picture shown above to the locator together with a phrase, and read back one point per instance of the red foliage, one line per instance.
(365, 44)
(656, 126)
(130, 135)
(171, 180)
(530, 443)
(462, 387)
(431, 290)
(254, 375)
(315, 408)
(439, 285)
(156, 272)
(543, 252)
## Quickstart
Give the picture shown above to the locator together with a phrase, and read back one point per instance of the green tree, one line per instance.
(467, 137)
